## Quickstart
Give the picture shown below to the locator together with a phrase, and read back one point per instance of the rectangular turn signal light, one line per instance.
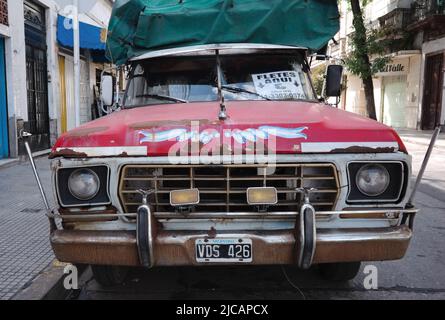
(262, 196)
(187, 197)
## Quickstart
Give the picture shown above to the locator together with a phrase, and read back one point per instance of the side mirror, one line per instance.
(334, 77)
(107, 90)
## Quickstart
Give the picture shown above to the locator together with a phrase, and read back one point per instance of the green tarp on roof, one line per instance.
(138, 26)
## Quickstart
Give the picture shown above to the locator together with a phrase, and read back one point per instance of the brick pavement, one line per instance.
(24, 230)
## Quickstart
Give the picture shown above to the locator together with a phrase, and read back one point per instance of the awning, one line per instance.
(91, 37)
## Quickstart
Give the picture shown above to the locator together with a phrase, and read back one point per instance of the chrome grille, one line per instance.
(223, 188)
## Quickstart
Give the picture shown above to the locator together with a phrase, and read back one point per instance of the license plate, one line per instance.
(223, 250)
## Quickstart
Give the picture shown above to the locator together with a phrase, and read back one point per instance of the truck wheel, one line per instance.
(339, 271)
(108, 276)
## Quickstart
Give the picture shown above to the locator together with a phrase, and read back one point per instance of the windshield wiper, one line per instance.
(241, 90)
(162, 97)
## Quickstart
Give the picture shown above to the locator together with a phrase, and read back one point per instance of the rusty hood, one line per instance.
(294, 127)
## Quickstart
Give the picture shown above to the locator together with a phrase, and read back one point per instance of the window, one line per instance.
(194, 79)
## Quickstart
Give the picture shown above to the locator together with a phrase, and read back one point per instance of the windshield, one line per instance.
(194, 79)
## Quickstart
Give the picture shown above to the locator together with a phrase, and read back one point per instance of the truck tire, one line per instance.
(109, 276)
(341, 272)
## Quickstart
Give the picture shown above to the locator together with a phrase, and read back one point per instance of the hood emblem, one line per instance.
(240, 136)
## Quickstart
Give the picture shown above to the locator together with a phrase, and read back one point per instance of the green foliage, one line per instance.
(318, 77)
(366, 44)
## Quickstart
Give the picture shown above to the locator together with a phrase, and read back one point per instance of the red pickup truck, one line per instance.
(223, 155)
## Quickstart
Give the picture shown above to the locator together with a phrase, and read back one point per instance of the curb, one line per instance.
(7, 163)
(423, 143)
(431, 191)
(48, 285)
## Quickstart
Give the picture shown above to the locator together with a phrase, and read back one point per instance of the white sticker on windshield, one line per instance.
(282, 85)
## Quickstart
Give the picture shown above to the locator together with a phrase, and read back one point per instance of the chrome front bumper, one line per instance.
(269, 248)
(158, 247)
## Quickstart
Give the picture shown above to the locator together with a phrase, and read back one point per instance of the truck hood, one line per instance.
(285, 127)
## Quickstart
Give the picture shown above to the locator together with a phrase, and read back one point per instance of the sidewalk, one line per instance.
(4, 163)
(24, 229)
(417, 143)
(421, 137)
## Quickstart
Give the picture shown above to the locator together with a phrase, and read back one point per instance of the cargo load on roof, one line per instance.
(139, 26)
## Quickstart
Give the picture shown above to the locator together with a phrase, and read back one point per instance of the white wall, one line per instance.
(378, 97)
(16, 57)
(15, 54)
(94, 12)
(373, 10)
(378, 8)
(16, 62)
(53, 65)
(101, 12)
(414, 91)
(355, 95)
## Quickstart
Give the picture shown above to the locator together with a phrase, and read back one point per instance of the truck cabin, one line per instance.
(212, 73)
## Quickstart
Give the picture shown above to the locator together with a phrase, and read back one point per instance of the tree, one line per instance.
(364, 44)
(318, 78)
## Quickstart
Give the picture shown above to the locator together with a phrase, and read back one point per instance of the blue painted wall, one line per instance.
(4, 146)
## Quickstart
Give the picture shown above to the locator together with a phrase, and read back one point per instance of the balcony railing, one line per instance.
(397, 19)
(422, 9)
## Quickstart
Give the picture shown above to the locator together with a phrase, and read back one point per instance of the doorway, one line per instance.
(394, 101)
(36, 76)
(432, 92)
(4, 144)
(68, 112)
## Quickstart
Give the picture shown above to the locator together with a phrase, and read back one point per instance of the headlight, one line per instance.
(84, 184)
(373, 180)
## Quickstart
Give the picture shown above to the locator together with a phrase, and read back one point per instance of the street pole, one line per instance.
(76, 34)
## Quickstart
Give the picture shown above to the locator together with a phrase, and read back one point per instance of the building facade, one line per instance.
(429, 24)
(402, 90)
(36, 86)
(93, 27)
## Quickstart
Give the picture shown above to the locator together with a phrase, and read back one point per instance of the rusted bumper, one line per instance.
(269, 247)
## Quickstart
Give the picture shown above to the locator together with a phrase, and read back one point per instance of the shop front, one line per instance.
(399, 91)
(396, 91)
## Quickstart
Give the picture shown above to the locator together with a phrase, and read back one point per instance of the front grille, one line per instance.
(223, 188)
